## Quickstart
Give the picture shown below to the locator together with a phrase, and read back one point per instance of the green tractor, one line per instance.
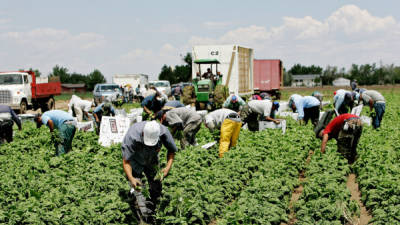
(207, 91)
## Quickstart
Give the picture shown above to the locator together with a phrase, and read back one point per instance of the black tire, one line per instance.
(23, 107)
(51, 104)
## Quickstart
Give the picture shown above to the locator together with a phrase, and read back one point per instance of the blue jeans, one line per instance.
(379, 110)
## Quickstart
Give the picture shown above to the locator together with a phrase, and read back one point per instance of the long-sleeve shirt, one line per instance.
(8, 113)
(305, 103)
(134, 149)
(217, 117)
(338, 99)
(85, 105)
(152, 103)
(99, 110)
(181, 116)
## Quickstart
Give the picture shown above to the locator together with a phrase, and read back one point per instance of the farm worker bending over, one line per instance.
(346, 129)
(265, 109)
(104, 109)
(229, 122)
(319, 96)
(173, 105)
(151, 105)
(182, 119)
(79, 107)
(234, 102)
(376, 101)
(343, 101)
(7, 116)
(307, 107)
(140, 149)
(64, 123)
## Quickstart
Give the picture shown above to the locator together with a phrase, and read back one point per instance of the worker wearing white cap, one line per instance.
(140, 149)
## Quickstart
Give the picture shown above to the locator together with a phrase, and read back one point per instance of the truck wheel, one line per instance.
(51, 105)
(23, 107)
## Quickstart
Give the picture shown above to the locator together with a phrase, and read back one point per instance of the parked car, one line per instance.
(162, 86)
(103, 91)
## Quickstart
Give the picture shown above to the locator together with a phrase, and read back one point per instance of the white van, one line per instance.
(162, 86)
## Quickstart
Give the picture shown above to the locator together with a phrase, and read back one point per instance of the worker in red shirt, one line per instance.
(346, 129)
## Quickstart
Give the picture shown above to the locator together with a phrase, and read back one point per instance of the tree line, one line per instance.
(90, 80)
(365, 74)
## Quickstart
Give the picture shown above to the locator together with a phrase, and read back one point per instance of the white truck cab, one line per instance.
(15, 90)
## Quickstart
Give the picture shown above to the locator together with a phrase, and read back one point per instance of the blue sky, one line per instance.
(126, 36)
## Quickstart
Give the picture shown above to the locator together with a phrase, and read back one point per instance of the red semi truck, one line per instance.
(21, 91)
(268, 76)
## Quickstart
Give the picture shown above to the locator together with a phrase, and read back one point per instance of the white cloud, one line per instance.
(43, 48)
(348, 35)
(215, 25)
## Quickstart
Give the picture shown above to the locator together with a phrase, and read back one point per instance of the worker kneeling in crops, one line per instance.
(229, 122)
(185, 119)
(104, 109)
(264, 108)
(345, 128)
(307, 107)
(234, 102)
(140, 148)
(64, 123)
(79, 107)
(7, 116)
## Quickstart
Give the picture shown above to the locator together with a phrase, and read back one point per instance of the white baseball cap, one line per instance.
(151, 133)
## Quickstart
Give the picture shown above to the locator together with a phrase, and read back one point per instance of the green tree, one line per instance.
(94, 78)
(61, 72)
(180, 73)
(299, 69)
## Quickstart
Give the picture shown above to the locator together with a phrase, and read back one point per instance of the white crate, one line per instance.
(366, 120)
(26, 117)
(357, 110)
(262, 125)
(85, 126)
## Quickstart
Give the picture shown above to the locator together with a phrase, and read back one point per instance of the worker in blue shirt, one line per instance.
(64, 123)
(7, 116)
(307, 107)
(151, 105)
(104, 109)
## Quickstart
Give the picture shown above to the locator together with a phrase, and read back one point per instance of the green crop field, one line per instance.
(253, 183)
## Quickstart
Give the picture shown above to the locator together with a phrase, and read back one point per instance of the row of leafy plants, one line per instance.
(378, 167)
(84, 186)
(266, 198)
(325, 198)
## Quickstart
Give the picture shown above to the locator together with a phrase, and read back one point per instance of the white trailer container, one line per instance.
(236, 65)
(133, 79)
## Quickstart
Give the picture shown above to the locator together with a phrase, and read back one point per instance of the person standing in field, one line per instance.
(64, 123)
(140, 148)
(376, 101)
(229, 124)
(182, 119)
(346, 129)
(307, 107)
(7, 116)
